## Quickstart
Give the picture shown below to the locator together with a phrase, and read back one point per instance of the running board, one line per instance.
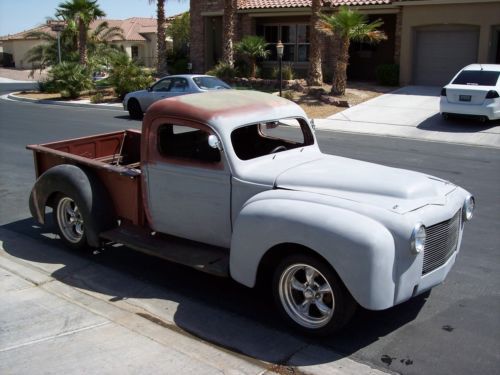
(210, 259)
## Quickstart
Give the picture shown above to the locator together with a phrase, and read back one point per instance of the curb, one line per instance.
(115, 107)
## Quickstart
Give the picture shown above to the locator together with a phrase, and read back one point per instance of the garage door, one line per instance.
(441, 51)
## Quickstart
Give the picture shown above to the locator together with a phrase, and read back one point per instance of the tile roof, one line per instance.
(133, 28)
(266, 4)
(24, 34)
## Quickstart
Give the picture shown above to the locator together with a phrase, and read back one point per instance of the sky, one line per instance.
(19, 15)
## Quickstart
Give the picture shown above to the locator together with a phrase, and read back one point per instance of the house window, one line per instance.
(295, 38)
(135, 52)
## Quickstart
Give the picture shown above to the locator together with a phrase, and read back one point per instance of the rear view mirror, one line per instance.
(214, 142)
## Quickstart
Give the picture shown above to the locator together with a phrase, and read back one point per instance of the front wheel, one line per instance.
(311, 296)
(70, 222)
(134, 109)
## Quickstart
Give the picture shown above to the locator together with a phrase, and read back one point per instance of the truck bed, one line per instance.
(114, 157)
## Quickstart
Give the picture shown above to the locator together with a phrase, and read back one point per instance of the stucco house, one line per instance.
(429, 39)
(139, 40)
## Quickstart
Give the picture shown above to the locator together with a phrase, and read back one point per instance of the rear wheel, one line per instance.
(311, 296)
(70, 222)
(445, 116)
(134, 109)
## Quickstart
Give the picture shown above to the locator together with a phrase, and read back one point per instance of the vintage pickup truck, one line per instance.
(234, 184)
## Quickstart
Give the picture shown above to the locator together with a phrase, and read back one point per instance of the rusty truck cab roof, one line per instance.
(225, 110)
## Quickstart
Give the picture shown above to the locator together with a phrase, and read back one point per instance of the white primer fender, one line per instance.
(360, 249)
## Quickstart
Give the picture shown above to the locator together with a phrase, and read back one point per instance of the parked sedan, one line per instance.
(474, 91)
(137, 102)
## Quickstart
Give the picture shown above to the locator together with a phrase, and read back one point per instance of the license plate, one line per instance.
(464, 98)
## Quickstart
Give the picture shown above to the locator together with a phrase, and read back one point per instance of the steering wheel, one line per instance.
(278, 149)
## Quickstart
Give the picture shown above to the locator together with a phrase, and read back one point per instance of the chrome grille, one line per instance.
(441, 242)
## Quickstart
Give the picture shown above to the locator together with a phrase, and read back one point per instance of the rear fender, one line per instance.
(360, 249)
(85, 188)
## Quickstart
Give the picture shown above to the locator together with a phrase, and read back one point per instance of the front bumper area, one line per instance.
(435, 277)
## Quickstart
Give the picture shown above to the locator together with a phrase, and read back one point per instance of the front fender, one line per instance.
(360, 249)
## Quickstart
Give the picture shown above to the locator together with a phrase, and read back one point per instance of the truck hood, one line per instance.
(397, 190)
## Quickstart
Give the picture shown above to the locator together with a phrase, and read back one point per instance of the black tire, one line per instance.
(445, 116)
(86, 191)
(134, 109)
(70, 220)
(329, 305)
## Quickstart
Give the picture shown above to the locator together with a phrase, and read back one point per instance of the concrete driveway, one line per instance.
(412, 112)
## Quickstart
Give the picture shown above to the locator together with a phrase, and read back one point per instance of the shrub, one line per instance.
(48, 86)
(98, 97)
(288, 94)
(252, 47)
(178, 66)
(177, 61)
(223, 71)
(287, 72)
(387, 74)
(70, 79)
(126, 76)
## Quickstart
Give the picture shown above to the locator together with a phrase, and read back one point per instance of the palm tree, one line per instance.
(252, 47)
(44, 55)
(315, 76)
(348, 25)
(100, 50)
(80, 13)
(161, 43)
(229, 26)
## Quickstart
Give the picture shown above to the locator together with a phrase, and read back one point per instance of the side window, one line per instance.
(179, 85)
(186, 143)
(162, 85)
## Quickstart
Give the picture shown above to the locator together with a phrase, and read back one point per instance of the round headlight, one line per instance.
(417, 240)
(468, 209)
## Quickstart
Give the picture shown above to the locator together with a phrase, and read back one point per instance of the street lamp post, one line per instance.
(279, 51)
(57, 27)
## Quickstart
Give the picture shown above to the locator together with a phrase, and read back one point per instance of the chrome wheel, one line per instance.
(306, 296)
(70, 220)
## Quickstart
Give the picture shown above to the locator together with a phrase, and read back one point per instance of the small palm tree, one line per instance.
(348, 25)
(80, 13)
(315, 75)
(252, 47)
(70, 78)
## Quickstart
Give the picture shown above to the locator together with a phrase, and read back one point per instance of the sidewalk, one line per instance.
(412, 112)
(19, 79)
(22, 74)
(51, 326)
(7, 84)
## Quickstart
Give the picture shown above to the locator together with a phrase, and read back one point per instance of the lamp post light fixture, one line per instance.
(279, 51)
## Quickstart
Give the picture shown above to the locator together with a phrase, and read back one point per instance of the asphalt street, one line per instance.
(454, 330)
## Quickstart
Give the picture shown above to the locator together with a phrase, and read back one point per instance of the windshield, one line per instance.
(210, 83)
(270, 137)
(477, 78)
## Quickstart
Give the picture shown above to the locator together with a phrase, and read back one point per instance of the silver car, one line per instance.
(137, 102)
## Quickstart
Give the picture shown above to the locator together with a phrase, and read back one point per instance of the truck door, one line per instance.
(188, 184)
